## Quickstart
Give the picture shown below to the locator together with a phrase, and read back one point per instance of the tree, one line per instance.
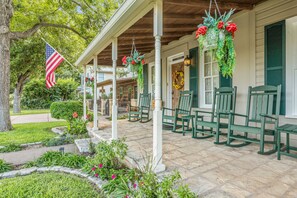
(77, 16)
(27, 59)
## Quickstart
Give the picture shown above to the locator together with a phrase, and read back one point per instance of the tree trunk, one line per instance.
(17, 96)
(5, 16)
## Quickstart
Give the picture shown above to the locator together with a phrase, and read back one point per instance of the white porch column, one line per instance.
(114, 89)
(85, 93)
(157, 119)
(95, 108)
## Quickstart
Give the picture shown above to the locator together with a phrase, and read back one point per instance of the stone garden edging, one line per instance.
(27, 171)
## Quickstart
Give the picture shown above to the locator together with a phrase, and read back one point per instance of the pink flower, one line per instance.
(100, 165)
(94, 168)
(143, 61)
(133, 62)
(75, 115)
(96, 175)
(127, 196)
(197, 33)
(135, 185)
(113, 176)
(202, 30)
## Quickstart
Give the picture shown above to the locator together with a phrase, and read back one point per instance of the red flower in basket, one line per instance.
(197, 33)
(75, 115)
(143, 61)
(87, 79)
(231, 27)
(202, 30)
(133, 62)
(221, 25)
(124, 60)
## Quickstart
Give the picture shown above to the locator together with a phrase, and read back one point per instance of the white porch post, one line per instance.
(114, 89)
(157, 119)
(95, 108)
(85, 93)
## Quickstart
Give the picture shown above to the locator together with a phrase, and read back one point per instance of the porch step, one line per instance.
(83, 145)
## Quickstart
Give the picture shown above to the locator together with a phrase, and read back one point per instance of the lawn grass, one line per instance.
(42, 185)
(29, 133)
(30, 111)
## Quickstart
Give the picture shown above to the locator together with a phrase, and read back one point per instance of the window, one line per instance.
(210, 78)
(100, 77)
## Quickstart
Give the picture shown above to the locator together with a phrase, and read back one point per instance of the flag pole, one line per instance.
(57, 51)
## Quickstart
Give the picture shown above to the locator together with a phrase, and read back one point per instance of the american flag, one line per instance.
(53, 60)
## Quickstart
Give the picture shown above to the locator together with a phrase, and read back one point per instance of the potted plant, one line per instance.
(135, 64)
(217, 33)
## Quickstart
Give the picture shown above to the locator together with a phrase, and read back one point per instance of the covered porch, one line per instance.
(153, 26)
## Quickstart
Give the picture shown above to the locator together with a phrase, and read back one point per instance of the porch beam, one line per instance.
(85, 93)
(95, 108)
(157, 119)
(175, 16)
(204, 4)
(114, 89)
(166, 27)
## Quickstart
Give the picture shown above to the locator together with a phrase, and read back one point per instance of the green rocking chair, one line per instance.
(224, 100)
(262, 102)
(172, 117)
(142, 112)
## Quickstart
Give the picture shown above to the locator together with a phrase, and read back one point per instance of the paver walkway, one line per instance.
(213, 170)
(32, 118)
(21, 157)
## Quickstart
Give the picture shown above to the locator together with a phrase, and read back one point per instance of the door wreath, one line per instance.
(178, 80)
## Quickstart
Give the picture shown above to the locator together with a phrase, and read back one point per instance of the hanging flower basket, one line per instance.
(217, 33)
(135, 64)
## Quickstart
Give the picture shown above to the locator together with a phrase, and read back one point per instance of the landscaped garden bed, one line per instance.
(107, 169)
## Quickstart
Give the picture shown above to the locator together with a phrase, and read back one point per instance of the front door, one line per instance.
(178, 82)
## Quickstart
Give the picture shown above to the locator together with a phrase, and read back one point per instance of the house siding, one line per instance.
(265, 14)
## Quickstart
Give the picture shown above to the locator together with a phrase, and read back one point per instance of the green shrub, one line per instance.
(62, 140)
(55, 158)
(37, 96)
(125, 182)
(4, 167)
(65, 109)
(11, 148)
(77, 126)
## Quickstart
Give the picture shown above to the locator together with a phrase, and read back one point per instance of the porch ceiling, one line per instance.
(181, 18)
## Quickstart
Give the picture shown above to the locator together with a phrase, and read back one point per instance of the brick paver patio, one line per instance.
(213, 170)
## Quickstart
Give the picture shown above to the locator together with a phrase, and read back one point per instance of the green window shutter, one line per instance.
(194, 75)
(225, 81)
(145, 78)
(275, 58)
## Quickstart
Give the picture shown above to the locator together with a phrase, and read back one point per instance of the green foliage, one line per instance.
(77, 126)
(37, 96)
(122, 181)
(40, 185)
(65, 109)
(4, 167)
(90, 117)
(11, 148)
(62, 140)
(29, 133)
(55, 158)
(110, 155)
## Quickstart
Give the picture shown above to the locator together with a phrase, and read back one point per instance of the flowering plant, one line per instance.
(135, 63)
(218, 33)
(77, 125)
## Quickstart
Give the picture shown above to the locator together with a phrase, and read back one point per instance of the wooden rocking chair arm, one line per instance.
(199, 111)
(268, 116)
(164, 108)
(237, 114)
